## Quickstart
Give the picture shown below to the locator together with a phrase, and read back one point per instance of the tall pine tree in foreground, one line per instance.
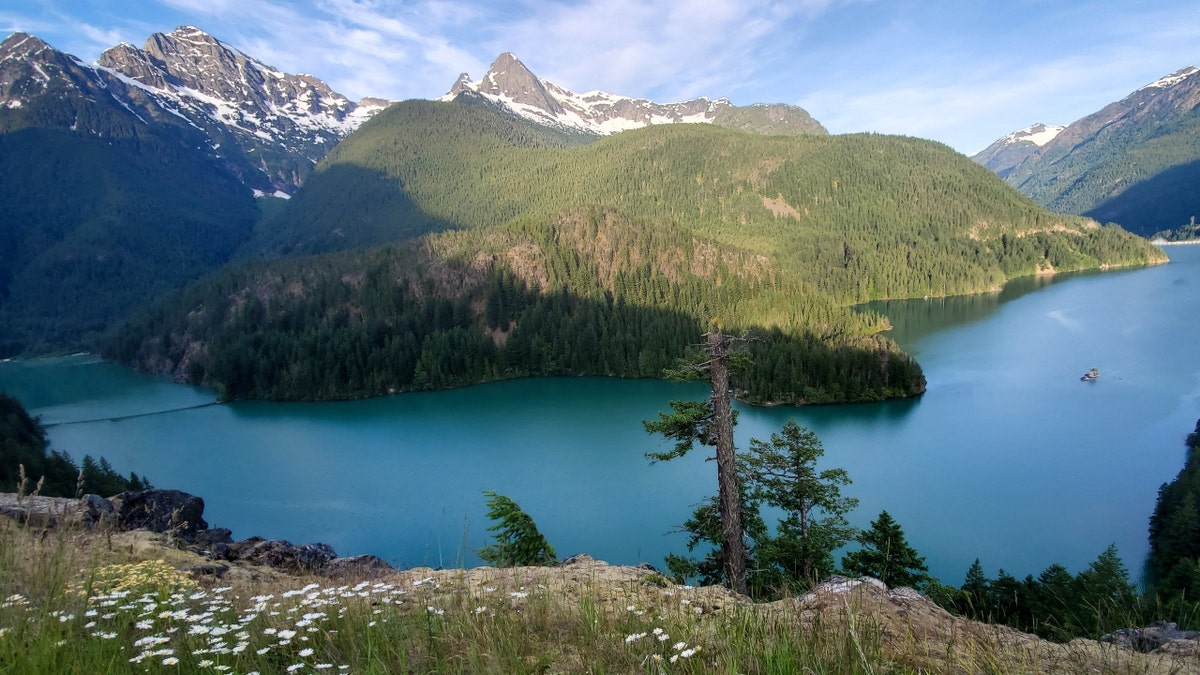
(711, 423)
(886, 555)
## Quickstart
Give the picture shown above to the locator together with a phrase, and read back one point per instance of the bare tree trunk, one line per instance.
(733, 553)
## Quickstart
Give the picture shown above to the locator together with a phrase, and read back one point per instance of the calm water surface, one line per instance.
(1008, 457)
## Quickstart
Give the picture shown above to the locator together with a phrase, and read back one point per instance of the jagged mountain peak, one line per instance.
(21, 44)
(31, 68)
(253, 114)
(508, 79)
(509, 83)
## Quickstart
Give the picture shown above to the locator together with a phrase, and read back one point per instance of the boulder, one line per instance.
(282, 555)
(1159, 637)
(47, 512)
(358, 566)
(172, 511)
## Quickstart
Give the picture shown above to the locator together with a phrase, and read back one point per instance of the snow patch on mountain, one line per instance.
(1172, 79)
(1038, 134)
(510, 84)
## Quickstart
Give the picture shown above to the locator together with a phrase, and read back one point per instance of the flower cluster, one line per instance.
(658, 636)
(160, 617)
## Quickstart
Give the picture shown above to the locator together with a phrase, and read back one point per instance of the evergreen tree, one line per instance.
(1175, 531)
(517, 541)
(885, 555)
(783, 473)
(711, 423)
(1104, 589)
(975, 589)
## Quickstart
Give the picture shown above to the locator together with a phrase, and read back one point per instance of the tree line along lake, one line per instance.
(1008, 457)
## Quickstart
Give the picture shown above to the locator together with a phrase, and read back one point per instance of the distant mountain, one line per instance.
(1007, 153)
(1135, 162)
(509, 83)
(104, 207)
(287, 121)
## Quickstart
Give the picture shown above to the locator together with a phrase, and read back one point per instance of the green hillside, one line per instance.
(1143, 177)
(1135, 162)
(610, 258)
(854, 214)
(98, 223)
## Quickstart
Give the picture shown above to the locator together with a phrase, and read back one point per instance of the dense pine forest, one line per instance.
(1173, 567)
(502, 249)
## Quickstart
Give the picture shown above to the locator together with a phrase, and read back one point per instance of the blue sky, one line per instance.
(962, 72)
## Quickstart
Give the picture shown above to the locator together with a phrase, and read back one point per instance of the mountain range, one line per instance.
(1135, 162)
(506, 230)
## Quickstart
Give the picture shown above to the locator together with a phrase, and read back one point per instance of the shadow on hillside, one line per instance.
(342, 207)
(94, 227)
(1164, 201)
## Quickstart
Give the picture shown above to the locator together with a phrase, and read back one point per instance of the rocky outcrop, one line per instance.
(46, 512)
(1162, 637)
(180, 516)
(168, 511)
(282, 555)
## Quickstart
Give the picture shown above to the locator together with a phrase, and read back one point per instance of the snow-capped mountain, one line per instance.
(1134, 162)
(280, 124)
(1006, 153)
(510, 84)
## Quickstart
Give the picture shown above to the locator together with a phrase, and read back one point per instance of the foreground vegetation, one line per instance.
(78, 601)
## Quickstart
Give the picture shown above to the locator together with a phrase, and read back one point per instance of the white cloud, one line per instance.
(665, 50)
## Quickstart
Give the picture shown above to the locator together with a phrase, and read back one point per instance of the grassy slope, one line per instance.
(78, 601)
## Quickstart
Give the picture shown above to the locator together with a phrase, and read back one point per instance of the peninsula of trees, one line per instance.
(446, 244)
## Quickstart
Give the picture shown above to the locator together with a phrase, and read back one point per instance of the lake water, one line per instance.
(1008, 457)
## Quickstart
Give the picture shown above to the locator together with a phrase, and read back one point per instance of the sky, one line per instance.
(962, 72)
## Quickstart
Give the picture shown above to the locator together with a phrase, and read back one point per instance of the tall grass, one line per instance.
(79, 601)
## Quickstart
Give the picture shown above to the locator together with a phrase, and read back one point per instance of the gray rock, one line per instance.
(358, 566)
(172, 511)
(1162, 636)
(46, 512)
(282, 555)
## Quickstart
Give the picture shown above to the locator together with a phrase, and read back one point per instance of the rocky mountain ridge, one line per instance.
(270, 127)
(511, 84)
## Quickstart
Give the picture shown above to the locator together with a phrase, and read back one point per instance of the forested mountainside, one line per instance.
(124, 179)
(99, 222)
(1135, 162)
(608, 258)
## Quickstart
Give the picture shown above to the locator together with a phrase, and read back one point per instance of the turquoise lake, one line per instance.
(1008, 456)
